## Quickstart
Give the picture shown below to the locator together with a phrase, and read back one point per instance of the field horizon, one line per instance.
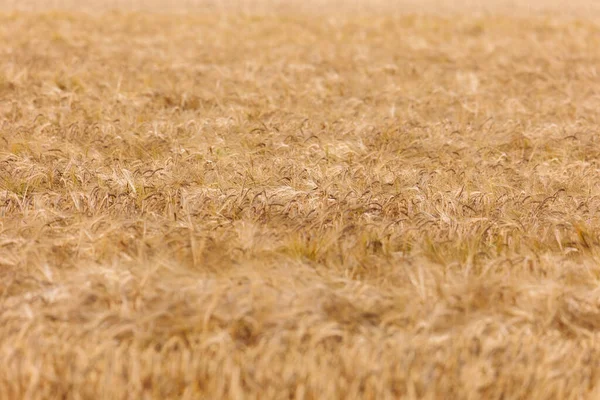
(258, 203)
(332, 8)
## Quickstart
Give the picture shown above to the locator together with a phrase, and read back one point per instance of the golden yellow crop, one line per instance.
(312, 201)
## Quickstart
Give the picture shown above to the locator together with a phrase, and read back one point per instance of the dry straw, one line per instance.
(298, 205)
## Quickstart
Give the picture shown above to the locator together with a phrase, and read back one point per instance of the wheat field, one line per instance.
(278, 200)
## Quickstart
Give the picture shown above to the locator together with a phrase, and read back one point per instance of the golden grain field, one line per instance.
(320, 202)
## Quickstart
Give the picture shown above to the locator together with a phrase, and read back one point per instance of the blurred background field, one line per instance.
(577, 7)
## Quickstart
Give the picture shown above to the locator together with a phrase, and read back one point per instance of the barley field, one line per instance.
(308, 200)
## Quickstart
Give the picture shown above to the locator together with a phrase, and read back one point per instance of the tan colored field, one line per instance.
(299, 202)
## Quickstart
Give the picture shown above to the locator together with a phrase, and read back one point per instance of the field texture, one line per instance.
(314, 203)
